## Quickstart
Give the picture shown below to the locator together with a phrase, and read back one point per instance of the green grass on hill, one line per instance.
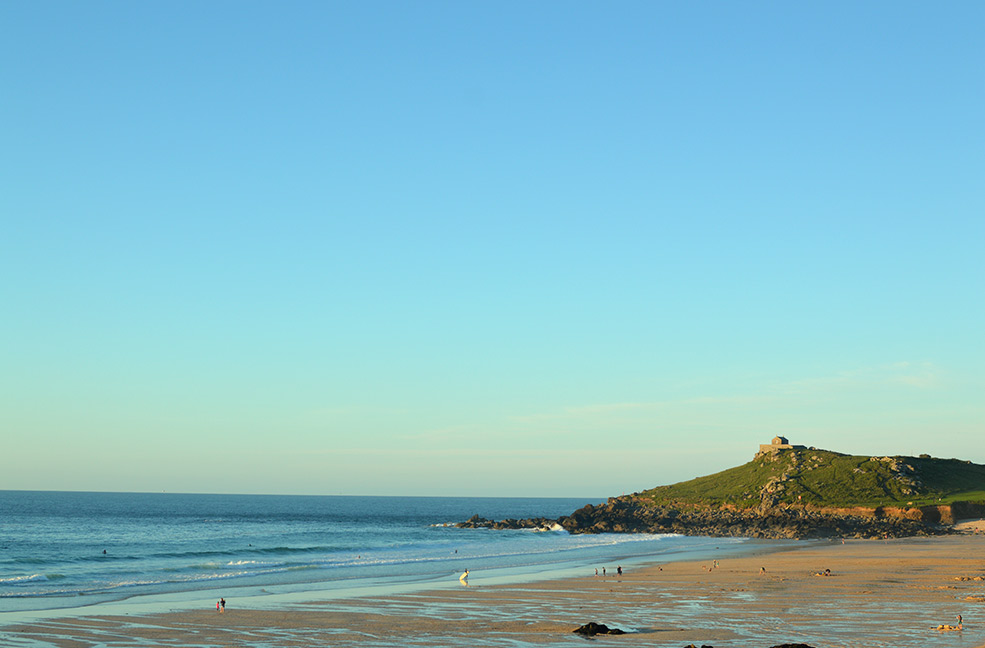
(825, 478)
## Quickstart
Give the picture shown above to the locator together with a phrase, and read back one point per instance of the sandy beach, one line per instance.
(878, 593)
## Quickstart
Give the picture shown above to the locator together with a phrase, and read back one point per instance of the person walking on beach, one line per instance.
(217, 609)
(619, 570)
(222, 601)
(603, 572)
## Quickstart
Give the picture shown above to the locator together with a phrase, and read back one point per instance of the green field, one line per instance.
(824, 478)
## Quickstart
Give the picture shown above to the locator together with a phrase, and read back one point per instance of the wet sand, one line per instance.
(880, 593)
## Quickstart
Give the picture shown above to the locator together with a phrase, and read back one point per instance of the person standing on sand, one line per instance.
(217, 609)
(223, 602)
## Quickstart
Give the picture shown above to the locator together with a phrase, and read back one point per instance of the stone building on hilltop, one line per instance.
(778, 443)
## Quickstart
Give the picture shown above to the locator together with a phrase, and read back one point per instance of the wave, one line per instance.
(105, 587)
(552, 528)
(208, 553)
(29, 561)
(33, 578)
(261, 551)
(421, 553)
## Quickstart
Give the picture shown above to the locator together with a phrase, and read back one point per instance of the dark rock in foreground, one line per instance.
(780, 646)
(591, 629)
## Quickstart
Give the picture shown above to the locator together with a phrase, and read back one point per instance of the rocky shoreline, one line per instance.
(632, 515)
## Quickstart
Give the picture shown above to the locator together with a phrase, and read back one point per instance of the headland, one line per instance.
(793, 491)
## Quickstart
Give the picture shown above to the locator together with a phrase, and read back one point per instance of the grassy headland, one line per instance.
(793, 492)
(828, 479)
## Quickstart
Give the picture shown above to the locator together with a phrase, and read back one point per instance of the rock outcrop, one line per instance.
(535, 524)
(629, 514)
(591, 629)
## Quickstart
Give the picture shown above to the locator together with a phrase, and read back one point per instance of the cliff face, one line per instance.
(631, 515)
(621, 515)
(942, 514)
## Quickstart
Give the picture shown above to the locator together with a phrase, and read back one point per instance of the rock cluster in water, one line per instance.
(535, 524)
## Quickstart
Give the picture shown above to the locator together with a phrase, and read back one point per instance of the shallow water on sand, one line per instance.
(653, 619)
(81, 551)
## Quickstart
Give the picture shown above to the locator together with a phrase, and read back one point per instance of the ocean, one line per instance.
(72, 552)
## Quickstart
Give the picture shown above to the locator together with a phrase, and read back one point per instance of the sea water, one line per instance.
(69, 550)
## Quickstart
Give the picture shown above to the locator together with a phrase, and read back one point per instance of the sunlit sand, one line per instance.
(889, 593)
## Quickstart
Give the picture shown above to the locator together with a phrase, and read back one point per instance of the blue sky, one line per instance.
(484, 249)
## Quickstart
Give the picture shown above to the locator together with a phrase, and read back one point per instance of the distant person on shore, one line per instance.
(619, 570)
(464, 577)
(603, 572)
(596, 571)
(217, 608)
(222, 601)
(960, 623)
(762, 570)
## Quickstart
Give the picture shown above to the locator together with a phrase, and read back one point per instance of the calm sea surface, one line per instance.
(63, 550)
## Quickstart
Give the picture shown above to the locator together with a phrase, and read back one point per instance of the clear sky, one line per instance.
(501, 248)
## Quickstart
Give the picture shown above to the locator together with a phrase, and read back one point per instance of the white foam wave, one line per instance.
(551, 528)
(33, 578)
